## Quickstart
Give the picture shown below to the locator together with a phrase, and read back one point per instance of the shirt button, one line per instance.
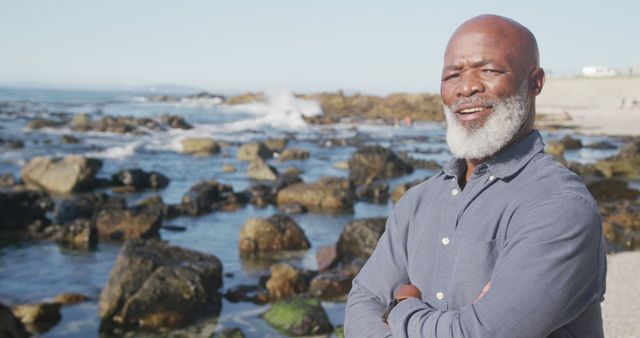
(454, 192)
(439, 295)
(445, 240)
(491, 178)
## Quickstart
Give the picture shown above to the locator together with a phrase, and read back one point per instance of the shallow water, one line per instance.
(33, 271)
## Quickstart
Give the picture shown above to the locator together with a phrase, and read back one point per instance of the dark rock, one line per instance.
(292, 209)
(156, 285)
(328, 194)
(139, 179)
(374, 162)
(38, 318)
(69, 139)
(287, 179)
(86, 206)
(624, 164)
(331, 285)
(256, 294)
(155, 204)
(71, 174)
(20, 209)
(175, 121)
(609, 189)
(10, 326)
(601, 145)
(78, 234)
(116, 224)
(376, 192)
(279, 232)
(293, 154)
(359, 238)
(204, 196)
(571, 143)
(298, 317)
(174, 228)
(261, 195)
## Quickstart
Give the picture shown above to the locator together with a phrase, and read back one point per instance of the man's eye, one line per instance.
(494, 71)
(451, 76)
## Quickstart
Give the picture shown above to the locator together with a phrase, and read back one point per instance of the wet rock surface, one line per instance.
(21, 209)
(38, 317)
(70, 174)
(278, 232)
(10, 325)
(374, 162)
(328, 194)
(298, 317)
(156, 285)
(254, 151)
(128, 224)
(205, 196)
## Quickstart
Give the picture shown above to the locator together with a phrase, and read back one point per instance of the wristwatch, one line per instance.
(390, 307)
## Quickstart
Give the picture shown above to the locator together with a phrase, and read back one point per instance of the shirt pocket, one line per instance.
(473, 266)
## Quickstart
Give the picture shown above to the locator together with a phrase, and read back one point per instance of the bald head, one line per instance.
(514, 39)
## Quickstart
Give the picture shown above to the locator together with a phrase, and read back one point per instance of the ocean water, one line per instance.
(34, 271)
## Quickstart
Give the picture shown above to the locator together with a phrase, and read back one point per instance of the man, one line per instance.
(504, 242)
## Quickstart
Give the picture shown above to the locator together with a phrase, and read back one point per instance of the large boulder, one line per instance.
(20, 209)
(279, 232)
(260, 170)
(254, 151)
(374, 162)
(285, 281)
(114, 224)
(10, 326)
(70, 174)
(200, 146)
(175, 121)
(359, 238)
(299, 317)
(329, 194)
(571, 143)
(156, 285)
(376, 192)
(204, 196)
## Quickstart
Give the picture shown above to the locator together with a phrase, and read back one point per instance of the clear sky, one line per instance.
(231, 46)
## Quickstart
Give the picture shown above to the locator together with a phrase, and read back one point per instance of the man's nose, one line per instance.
(470, 85)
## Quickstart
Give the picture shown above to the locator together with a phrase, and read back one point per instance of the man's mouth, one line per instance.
(472, 113)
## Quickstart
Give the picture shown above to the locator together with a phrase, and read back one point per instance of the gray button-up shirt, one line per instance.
(523, 222)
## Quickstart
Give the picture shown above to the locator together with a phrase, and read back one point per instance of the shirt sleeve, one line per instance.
(550, 270)
(374, 286)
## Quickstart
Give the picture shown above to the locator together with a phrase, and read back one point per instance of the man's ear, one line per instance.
(537, 80)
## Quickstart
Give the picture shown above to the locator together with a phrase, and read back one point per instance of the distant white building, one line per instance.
(598, 71)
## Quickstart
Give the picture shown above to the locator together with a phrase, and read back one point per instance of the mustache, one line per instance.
(477, 101)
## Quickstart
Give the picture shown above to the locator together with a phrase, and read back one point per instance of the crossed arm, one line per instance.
(549, 271)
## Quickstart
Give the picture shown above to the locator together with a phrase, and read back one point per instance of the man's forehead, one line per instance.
(477, 48)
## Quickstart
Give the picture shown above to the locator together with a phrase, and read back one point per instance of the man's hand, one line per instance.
(408, 290)
(485, 289)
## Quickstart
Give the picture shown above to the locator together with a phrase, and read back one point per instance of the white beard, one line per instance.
(479, 142)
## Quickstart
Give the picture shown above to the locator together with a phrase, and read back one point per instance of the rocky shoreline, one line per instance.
(68, 201)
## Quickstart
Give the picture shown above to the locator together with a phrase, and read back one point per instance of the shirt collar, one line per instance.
(507, 162)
